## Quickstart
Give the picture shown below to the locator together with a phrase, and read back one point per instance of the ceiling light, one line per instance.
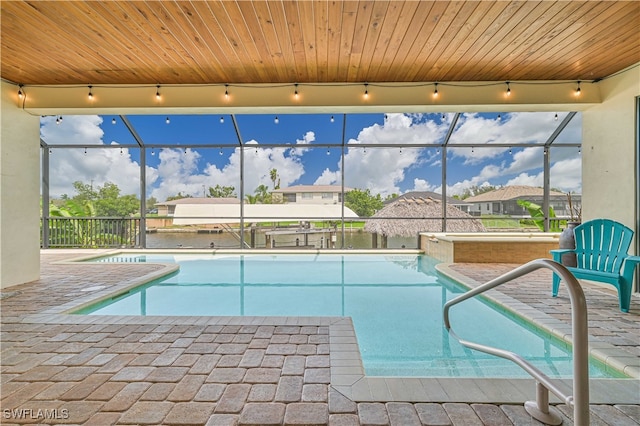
(158, 92)
(332, 119)
(295, 93)
(167, 120)
(499, 117)
(508, 89)
(276, 120)
(435, 90)
(366, 91)
(556, 117)
(578, 89)
(221, 119)
(90, 95)
(226, 91)
(20, 93)
(113, 121)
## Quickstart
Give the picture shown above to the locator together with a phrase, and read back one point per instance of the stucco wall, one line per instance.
(19, 192)
(609, 151)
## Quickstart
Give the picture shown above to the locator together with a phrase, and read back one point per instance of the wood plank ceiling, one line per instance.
(274, 41)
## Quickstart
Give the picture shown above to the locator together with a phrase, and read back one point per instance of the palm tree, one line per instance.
(71, 232)
(251, 199)
(262, 192)
(273, 174)
(83, 229)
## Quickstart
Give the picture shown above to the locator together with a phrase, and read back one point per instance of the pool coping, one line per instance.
(347, 371)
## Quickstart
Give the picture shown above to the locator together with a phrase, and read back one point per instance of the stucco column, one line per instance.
(19, 191)
(609, 151)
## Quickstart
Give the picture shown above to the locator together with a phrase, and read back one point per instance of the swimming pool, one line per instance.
(395, 302)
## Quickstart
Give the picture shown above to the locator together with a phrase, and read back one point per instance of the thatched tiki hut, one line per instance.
(423, 213)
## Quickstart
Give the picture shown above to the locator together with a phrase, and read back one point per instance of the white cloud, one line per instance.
(513, 129)
(308, 138)
(179, 170)
(382, 170)
(328, 178)
(526, 179)
(459, 187)
(178, 173)
(73, 130)
(422, 185)
(97, 167)
(567, 175)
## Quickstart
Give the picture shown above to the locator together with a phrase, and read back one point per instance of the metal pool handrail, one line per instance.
(540, 409)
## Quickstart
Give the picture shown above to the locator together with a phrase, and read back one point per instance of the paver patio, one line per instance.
(64, 369)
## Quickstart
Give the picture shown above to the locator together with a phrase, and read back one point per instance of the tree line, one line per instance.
(106, 201)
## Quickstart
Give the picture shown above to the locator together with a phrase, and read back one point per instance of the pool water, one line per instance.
(395, 302)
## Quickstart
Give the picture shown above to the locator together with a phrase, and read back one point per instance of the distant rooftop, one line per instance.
(512, 192)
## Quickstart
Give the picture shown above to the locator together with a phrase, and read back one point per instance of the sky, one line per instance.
(306, 159)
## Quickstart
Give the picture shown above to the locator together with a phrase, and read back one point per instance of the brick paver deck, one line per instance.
(65, 369)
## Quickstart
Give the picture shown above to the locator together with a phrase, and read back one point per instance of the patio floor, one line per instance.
(66, 369)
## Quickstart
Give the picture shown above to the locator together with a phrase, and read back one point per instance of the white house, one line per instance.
(310, 194)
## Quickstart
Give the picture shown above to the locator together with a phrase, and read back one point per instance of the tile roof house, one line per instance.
(504, 201)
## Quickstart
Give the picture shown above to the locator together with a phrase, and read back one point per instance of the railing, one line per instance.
(540, 409)
(90, 232)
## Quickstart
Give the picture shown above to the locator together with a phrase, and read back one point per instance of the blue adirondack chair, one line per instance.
(601, 255)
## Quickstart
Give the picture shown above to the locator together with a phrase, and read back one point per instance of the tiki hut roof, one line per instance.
(429, 194)
(423, 214)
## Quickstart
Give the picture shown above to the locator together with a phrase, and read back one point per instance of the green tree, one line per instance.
(106, 199)
(262, 192)
(73, 208)
(151, 203)
(84, 192)
(251, 199)
(273, 174)
(537, 215)
(363, 203)
(111, 203)
(222, 191)
(476, 190)
(178, 196)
